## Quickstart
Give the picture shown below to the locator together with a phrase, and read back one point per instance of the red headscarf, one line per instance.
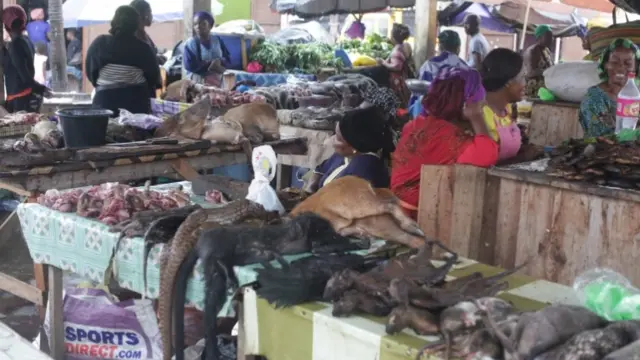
(432, 139)
(12, 12)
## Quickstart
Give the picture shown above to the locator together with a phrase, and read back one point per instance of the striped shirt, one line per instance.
(112, 74)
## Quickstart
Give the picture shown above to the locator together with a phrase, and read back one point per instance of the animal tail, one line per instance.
(179, 296)
(498, 277)
(216, 283)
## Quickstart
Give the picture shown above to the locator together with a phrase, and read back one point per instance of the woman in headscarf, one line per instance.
(451, 131)
(122, 68)
(399, 63)
(598, 108)
(503, 79)
(362, 142)
(24, 93)
(537, 59)
(37, 28)
(205, 56)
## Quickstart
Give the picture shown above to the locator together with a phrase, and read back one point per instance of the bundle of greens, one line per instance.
(307, 58)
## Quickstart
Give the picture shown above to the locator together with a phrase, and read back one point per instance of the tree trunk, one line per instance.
(57, 49)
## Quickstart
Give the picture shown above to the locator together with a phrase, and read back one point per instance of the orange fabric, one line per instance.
(431, 141)
(22, 93)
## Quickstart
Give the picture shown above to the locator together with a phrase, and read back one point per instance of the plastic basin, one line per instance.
(82, 127)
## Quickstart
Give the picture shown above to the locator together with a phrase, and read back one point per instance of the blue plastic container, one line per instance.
(341, 54)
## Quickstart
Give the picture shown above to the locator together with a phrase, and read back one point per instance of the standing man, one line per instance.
(537, 59)
(478, 45)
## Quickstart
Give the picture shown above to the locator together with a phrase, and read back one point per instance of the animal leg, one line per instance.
(431, 347)
(180, 299)
(216, 293)
(385, 227)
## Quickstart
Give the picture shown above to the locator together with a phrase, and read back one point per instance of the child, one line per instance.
(40, 62)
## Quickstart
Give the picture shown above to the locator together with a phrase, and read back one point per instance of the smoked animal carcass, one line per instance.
(355, 208)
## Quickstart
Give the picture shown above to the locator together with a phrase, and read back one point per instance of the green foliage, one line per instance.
(308, 58)
(374, 45)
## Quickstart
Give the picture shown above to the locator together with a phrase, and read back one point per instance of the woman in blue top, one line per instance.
(362, 143)
(204, 55)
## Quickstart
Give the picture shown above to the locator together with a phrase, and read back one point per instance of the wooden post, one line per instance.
(190, 8)
(57, 48)
(425, 30)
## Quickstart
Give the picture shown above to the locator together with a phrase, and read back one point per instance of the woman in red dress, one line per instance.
(450, 131)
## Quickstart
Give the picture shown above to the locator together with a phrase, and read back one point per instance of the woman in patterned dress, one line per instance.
(598, 108)
(399, 63)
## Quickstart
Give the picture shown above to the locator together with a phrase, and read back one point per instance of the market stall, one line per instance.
(310, 331)
(503, 216)
(68, 242)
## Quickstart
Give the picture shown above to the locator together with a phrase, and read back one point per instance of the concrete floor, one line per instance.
(15, 261)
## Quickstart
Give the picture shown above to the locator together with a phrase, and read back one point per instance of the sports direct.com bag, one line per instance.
(97, 326)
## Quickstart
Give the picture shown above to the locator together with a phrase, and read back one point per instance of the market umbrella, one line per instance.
(632, 6)
(316, 8)
(79, 13)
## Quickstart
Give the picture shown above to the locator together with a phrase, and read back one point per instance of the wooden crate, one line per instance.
(504, 217)
(554, 122)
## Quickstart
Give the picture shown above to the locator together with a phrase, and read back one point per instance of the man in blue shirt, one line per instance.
(449, 47)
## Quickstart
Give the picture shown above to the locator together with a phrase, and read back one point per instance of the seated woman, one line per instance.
(362, 141)
(503, 79)
(451, 131)
(598, 108)
(122, 68)
(204, 55)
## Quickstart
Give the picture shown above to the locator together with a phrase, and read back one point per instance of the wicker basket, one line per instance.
(600, 38)
(14, 130)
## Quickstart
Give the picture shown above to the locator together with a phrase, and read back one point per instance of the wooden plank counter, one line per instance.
(554, 122)
(504, 217)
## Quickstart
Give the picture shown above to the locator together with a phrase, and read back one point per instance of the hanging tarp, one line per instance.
(316, 8)
(452, 16)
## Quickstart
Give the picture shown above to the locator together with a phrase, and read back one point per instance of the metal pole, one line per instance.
(57, 48)
(526, 22)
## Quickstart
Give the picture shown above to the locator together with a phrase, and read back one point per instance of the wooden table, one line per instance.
(504, 217)
(554, 122)
(34, 181)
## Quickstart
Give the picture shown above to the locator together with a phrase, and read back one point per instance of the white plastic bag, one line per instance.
(264, 162)
(96, 325)
(570, 81)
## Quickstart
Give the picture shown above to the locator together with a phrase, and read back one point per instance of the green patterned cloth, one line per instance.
(84, 246)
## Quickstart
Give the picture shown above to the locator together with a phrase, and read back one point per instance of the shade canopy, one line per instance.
(79, 13)
(316, 8)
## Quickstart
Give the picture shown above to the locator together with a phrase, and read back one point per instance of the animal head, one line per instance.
(338, 284)
(396, 321)
(312, 226)
(345, 306)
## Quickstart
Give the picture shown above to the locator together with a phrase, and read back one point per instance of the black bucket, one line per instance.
(82, 127)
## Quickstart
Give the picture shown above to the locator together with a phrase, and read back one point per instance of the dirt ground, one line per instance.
(16, 261)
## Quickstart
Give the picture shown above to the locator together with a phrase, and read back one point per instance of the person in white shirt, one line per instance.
(478, 45)
(40, 63)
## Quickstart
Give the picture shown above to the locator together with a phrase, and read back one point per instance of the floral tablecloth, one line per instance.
(84, 246)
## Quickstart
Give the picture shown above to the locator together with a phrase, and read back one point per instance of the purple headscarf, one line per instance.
(473, 89)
